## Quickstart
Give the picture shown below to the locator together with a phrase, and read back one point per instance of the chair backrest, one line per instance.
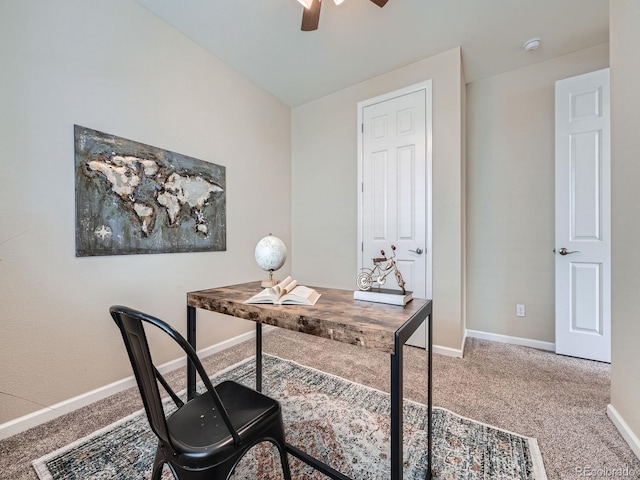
(129, 322)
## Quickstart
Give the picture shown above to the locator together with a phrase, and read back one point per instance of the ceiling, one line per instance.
(358, 40)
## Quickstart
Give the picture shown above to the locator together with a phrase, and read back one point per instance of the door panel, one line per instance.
(394, 192)
(392, 135)
(586, 314)
(379, 194)
(586, 163)
(583, 217)
(406, 194)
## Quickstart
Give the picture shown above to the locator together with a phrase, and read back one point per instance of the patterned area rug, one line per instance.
(340, 422)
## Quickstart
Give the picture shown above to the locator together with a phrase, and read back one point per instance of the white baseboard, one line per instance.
(44, 415)
(449, 352)
(525, 342)
(624, 430)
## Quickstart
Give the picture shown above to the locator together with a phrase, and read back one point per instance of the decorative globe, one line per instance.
(270, 253)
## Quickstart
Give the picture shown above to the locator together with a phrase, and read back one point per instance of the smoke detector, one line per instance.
(532, 44)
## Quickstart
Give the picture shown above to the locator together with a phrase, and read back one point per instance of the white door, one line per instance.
(583, 217)
(394, 174)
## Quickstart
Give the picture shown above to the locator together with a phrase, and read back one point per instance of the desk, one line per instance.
(336, 316)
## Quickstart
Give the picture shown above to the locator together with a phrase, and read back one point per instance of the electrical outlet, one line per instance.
(520, 310)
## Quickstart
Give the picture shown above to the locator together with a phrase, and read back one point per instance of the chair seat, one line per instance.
(195, 429)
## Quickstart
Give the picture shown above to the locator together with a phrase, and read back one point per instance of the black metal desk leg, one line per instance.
(191, 338)
(430, 398)
(396, 412)
(259, 357)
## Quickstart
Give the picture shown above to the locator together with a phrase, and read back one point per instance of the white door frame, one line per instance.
(427, 87)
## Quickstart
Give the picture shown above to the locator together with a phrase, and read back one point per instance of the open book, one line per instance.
(286, 292)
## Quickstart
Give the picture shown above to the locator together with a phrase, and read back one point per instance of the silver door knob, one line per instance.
(564, 251)
(417, 250)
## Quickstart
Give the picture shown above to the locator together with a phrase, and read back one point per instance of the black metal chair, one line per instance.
(206, 437)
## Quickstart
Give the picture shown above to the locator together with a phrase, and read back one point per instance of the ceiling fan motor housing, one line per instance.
(311, 13)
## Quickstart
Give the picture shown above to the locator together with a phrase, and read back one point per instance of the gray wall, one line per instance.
(324, 166)
(510, 196)
(114, 67)
(624, 18)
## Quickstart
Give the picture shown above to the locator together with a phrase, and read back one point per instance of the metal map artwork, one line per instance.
(133, 198)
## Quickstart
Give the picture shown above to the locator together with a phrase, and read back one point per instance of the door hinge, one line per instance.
(362, 246)
(362, 128)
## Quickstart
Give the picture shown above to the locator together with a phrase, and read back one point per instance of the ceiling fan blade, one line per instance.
(311, 17)
(380, 3)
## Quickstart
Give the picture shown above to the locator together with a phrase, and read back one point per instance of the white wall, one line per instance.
(115, 67)
(624, 19)
(324, 171)
(510, 195)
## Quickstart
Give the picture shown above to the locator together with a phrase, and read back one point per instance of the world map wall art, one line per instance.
(133, 198)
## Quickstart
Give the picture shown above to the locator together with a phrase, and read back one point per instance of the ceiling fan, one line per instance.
(311, 14)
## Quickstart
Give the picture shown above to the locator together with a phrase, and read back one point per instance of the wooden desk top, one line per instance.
(336, 315)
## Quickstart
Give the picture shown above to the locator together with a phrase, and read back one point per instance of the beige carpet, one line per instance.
(561, 401)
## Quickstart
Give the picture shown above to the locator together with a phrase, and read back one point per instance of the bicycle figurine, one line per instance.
(382, 267)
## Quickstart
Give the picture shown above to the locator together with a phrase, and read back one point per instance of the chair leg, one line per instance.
(284, 459)
(158, 464)
(281, 444)
(278, 442)
(221, 471)
(224, 470)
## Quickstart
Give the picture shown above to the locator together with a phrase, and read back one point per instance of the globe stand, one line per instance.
(271, 282)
